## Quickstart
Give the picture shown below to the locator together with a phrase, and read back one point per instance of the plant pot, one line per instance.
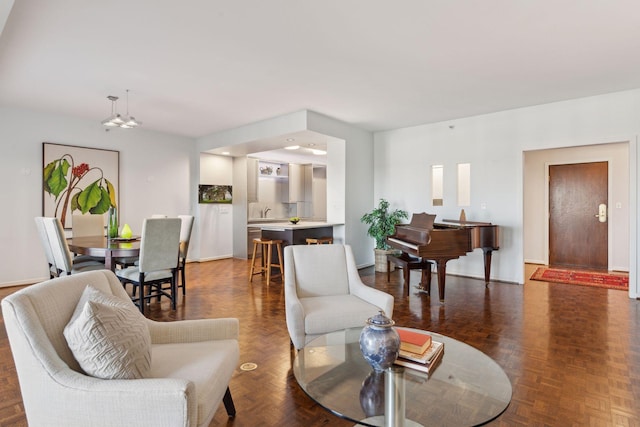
(381, 260)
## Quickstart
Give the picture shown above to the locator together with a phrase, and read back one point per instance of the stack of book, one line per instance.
(418, 351)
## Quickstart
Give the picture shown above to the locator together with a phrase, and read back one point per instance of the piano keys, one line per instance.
(441, 242)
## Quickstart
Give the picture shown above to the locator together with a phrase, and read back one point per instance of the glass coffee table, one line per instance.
(466, 388)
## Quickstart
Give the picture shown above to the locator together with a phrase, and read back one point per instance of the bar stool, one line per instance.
(265, 261)
(319, 240)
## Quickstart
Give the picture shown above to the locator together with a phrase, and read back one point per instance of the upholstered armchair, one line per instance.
(324, 293)
(190, 365)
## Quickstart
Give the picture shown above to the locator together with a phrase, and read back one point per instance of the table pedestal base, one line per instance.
(379, 421)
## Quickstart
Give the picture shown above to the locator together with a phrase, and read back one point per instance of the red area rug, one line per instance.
(584, 278)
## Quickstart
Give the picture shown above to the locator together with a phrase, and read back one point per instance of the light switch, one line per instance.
(618, 205)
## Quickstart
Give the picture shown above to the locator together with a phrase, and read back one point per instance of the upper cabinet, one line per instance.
(296, 183)
(252, 180)
(300, 177)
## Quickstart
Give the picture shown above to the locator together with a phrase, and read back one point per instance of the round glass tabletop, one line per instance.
(466, 388)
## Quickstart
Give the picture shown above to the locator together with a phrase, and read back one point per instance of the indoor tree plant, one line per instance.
(382, 223)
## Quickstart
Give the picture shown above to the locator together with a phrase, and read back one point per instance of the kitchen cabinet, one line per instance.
(252, 180)
(296, 184)
(300, 179)
(253, 233)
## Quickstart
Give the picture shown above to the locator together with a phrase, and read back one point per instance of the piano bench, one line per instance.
(408, 263)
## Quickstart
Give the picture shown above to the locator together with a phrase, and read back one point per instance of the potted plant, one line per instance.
(382, 223)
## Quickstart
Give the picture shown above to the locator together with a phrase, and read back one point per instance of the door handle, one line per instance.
(602, 212)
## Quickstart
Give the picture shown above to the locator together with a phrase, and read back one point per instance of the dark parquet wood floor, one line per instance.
(572, 353)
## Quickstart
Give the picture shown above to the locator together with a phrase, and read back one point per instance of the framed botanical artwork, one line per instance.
(215, 194)
(78, 180)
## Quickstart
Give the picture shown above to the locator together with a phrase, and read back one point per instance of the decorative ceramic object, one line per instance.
(126, 232)
(294, 220)
(372, 394)
(379, 342)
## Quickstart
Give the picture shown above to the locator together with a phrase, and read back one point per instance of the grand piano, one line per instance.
(423, 240)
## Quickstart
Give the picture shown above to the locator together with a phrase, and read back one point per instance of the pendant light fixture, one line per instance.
(116, 119)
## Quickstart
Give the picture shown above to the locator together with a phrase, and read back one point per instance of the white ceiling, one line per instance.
(195, 67)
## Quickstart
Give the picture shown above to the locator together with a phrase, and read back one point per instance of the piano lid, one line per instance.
(422, 220)
(414, 234)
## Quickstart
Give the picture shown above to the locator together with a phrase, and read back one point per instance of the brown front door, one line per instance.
(577, 237)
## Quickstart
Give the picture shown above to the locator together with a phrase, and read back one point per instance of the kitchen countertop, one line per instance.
(286, 225)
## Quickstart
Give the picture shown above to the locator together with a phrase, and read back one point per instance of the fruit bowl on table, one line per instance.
(294, 220)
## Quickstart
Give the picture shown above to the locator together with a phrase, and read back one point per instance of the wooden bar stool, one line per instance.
(265, 261)
(319, 240)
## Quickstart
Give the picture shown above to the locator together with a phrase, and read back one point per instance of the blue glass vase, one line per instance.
(379, 342)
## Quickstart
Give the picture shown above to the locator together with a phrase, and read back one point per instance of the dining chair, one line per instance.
(158, 262)
(64, 261)
(186, 226)
(87, 225)
(44, 240)
(131, 261)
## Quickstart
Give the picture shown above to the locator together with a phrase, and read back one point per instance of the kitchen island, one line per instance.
(294, 234)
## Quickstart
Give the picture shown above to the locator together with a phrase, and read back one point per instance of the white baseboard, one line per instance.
(24, 282)
(213, 258)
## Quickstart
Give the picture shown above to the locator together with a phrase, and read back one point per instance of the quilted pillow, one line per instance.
(109, 337)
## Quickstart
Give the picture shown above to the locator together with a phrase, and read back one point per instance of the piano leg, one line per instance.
(442, 274)
(487, 265)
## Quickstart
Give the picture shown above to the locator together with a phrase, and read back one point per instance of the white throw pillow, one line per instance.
(109, 337)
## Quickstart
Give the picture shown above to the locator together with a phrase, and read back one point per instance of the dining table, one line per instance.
(102, 246)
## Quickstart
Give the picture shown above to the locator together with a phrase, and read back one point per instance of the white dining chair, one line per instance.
(46, 246)
(64, 261)
(186, 226)
(87, 225)
(158, 262)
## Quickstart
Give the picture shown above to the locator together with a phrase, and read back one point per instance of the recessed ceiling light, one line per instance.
(318, 152)
(225, 153)
(290, 139)
(292, 147)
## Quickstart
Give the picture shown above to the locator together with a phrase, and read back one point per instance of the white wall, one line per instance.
(155, 177)
(536, 172)
(494, 145)
(215, 170)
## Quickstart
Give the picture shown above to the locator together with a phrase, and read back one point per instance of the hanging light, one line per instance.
(131, 121)
(116, 119)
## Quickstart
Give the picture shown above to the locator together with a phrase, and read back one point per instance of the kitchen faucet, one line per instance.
(265, 211)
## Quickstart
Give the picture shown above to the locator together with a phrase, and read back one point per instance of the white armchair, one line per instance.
(192, 363)
(324, 292)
